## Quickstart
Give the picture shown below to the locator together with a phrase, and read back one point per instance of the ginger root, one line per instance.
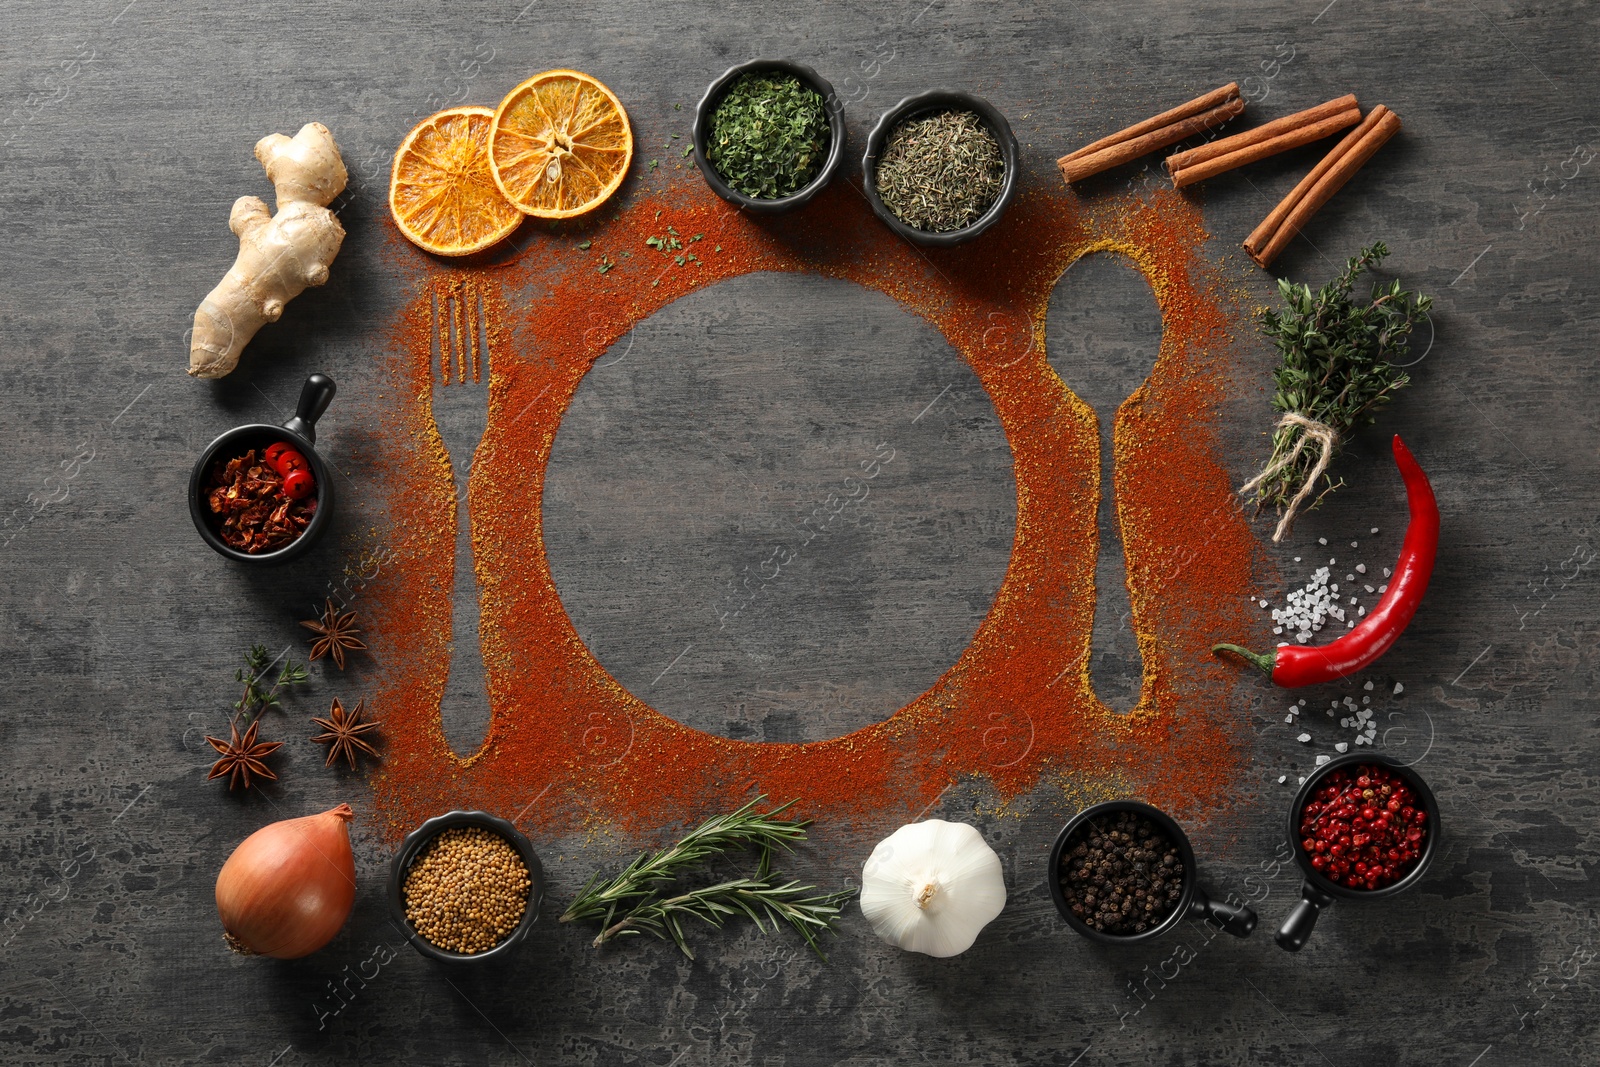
(279, 254)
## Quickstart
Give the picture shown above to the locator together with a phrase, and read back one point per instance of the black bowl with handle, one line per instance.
(1319, 891)
(1193, 902)
(300, 433)
(830, 163)
(419, 839)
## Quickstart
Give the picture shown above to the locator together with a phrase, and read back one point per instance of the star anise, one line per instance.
(242, 756)
(342, 733)
(338, 633)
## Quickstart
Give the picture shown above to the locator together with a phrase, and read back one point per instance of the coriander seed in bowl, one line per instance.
(466, 886)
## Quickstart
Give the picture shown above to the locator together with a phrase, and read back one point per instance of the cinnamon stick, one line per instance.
(1153, 134)
(1166, 118)
(1280, 135)
(1317, 188)
(1261, 133)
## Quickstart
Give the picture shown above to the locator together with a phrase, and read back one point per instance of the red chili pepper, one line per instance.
(1292, 666)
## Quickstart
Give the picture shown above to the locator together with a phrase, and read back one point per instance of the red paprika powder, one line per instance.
(567, 745)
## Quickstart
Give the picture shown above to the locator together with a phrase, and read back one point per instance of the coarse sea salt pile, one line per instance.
(1359, 718)
(1306, 610)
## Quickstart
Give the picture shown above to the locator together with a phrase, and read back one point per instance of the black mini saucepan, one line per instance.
(1193, 903)
(1320, 891)
(300, 433)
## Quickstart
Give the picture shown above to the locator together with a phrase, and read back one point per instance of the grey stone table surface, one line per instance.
(125, 134)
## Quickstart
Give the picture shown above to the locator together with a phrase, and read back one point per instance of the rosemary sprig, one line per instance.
(632, 902)
(717, 835)
(757, 897)
(1338, 368)
(258, 696)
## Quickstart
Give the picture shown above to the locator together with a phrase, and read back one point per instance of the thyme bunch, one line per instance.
(1337, 369)
(635, 901)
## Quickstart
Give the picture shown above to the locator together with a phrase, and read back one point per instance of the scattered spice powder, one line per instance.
(255, 513)
(940, 172)
(1016, 708)
(467, 890)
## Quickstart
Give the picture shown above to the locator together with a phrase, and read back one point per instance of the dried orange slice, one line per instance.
(560, 144)
(441, 192)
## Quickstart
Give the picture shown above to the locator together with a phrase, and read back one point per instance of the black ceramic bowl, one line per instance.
(412, 846)
(702, 131)
(921, 104)
(1320, 892)
(300, 432)
(1193, 903)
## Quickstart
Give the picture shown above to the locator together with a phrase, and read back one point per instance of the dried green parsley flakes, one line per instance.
(769, 135)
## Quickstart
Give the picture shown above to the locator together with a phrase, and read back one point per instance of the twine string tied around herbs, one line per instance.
(1311, 430)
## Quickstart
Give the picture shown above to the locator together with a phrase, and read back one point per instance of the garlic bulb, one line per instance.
(931, 886)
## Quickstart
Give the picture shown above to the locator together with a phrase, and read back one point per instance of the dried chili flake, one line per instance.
(254, 513)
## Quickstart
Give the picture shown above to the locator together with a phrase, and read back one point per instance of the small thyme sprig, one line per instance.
(258, 696)
(632, 902)
(1337, 367)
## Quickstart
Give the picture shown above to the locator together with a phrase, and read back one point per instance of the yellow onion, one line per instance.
(289, 887)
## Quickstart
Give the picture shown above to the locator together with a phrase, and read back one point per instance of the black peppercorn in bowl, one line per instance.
(1097, 823)
(299, 434)
(1321, 890)
(411, 850)
(921, 106)
(833, 154)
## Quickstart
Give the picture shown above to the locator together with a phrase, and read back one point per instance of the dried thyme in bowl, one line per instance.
(769, 135)
(940, 172)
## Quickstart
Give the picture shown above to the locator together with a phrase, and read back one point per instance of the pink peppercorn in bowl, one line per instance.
(1363, 827)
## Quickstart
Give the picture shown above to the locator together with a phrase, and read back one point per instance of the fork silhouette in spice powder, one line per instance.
(460, 375)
